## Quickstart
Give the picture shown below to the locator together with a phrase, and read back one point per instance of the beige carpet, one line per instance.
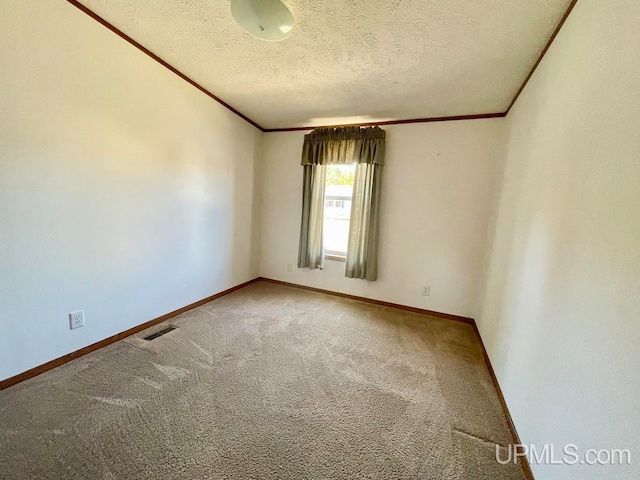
(268, 382)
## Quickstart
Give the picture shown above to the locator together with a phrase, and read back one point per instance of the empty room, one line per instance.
(320, 239)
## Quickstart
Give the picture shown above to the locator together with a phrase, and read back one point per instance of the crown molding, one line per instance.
(391, 122)
(542, 54)
(165, 64)
(162, 62)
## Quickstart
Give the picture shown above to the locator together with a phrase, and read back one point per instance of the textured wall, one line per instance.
(124, 191)
(561, 313)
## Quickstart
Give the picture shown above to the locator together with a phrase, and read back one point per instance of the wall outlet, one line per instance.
(426, 291)
(76, 319)
(289, 267)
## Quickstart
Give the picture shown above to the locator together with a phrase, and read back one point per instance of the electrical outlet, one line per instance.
(426, 291)
(76, 319)
(289, 267)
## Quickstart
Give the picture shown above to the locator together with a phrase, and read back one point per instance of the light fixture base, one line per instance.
(268, 20)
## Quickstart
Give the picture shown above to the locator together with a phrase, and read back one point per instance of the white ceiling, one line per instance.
(350, 60)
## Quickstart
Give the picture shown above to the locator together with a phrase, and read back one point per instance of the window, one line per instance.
(348, 187)
(337, 209)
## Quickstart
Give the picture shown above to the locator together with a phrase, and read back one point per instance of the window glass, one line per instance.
(337, 208)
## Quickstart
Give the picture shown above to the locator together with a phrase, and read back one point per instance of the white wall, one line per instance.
(436, 196)
(561, 318)
(124, 191)
(127, 193)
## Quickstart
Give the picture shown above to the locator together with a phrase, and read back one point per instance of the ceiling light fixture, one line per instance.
(266, 19)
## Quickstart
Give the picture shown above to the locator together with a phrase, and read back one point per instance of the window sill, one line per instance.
(335, 258)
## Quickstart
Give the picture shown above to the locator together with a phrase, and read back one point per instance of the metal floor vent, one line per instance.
(153, 336)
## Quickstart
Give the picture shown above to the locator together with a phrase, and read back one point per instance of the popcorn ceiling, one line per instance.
(361, 59)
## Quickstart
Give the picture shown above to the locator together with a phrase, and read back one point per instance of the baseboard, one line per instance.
(524, 462)
(422, 311)
(526, 467)
(45, 367)
(21, 377)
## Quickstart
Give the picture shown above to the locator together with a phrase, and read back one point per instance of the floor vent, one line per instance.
(153, 336)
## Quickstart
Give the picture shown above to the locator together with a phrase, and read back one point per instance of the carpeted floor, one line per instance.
(268, 382)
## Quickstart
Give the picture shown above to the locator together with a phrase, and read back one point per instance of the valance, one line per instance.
(344, 145)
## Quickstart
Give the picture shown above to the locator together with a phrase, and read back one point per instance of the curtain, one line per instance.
(346, 145)
(310, 252)
(334, 146)
(362, 250)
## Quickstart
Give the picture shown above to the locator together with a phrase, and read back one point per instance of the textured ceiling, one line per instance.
(350, 60)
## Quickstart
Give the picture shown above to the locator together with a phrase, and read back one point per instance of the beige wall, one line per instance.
(561, 317)
(436, 196)
(124, 191)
